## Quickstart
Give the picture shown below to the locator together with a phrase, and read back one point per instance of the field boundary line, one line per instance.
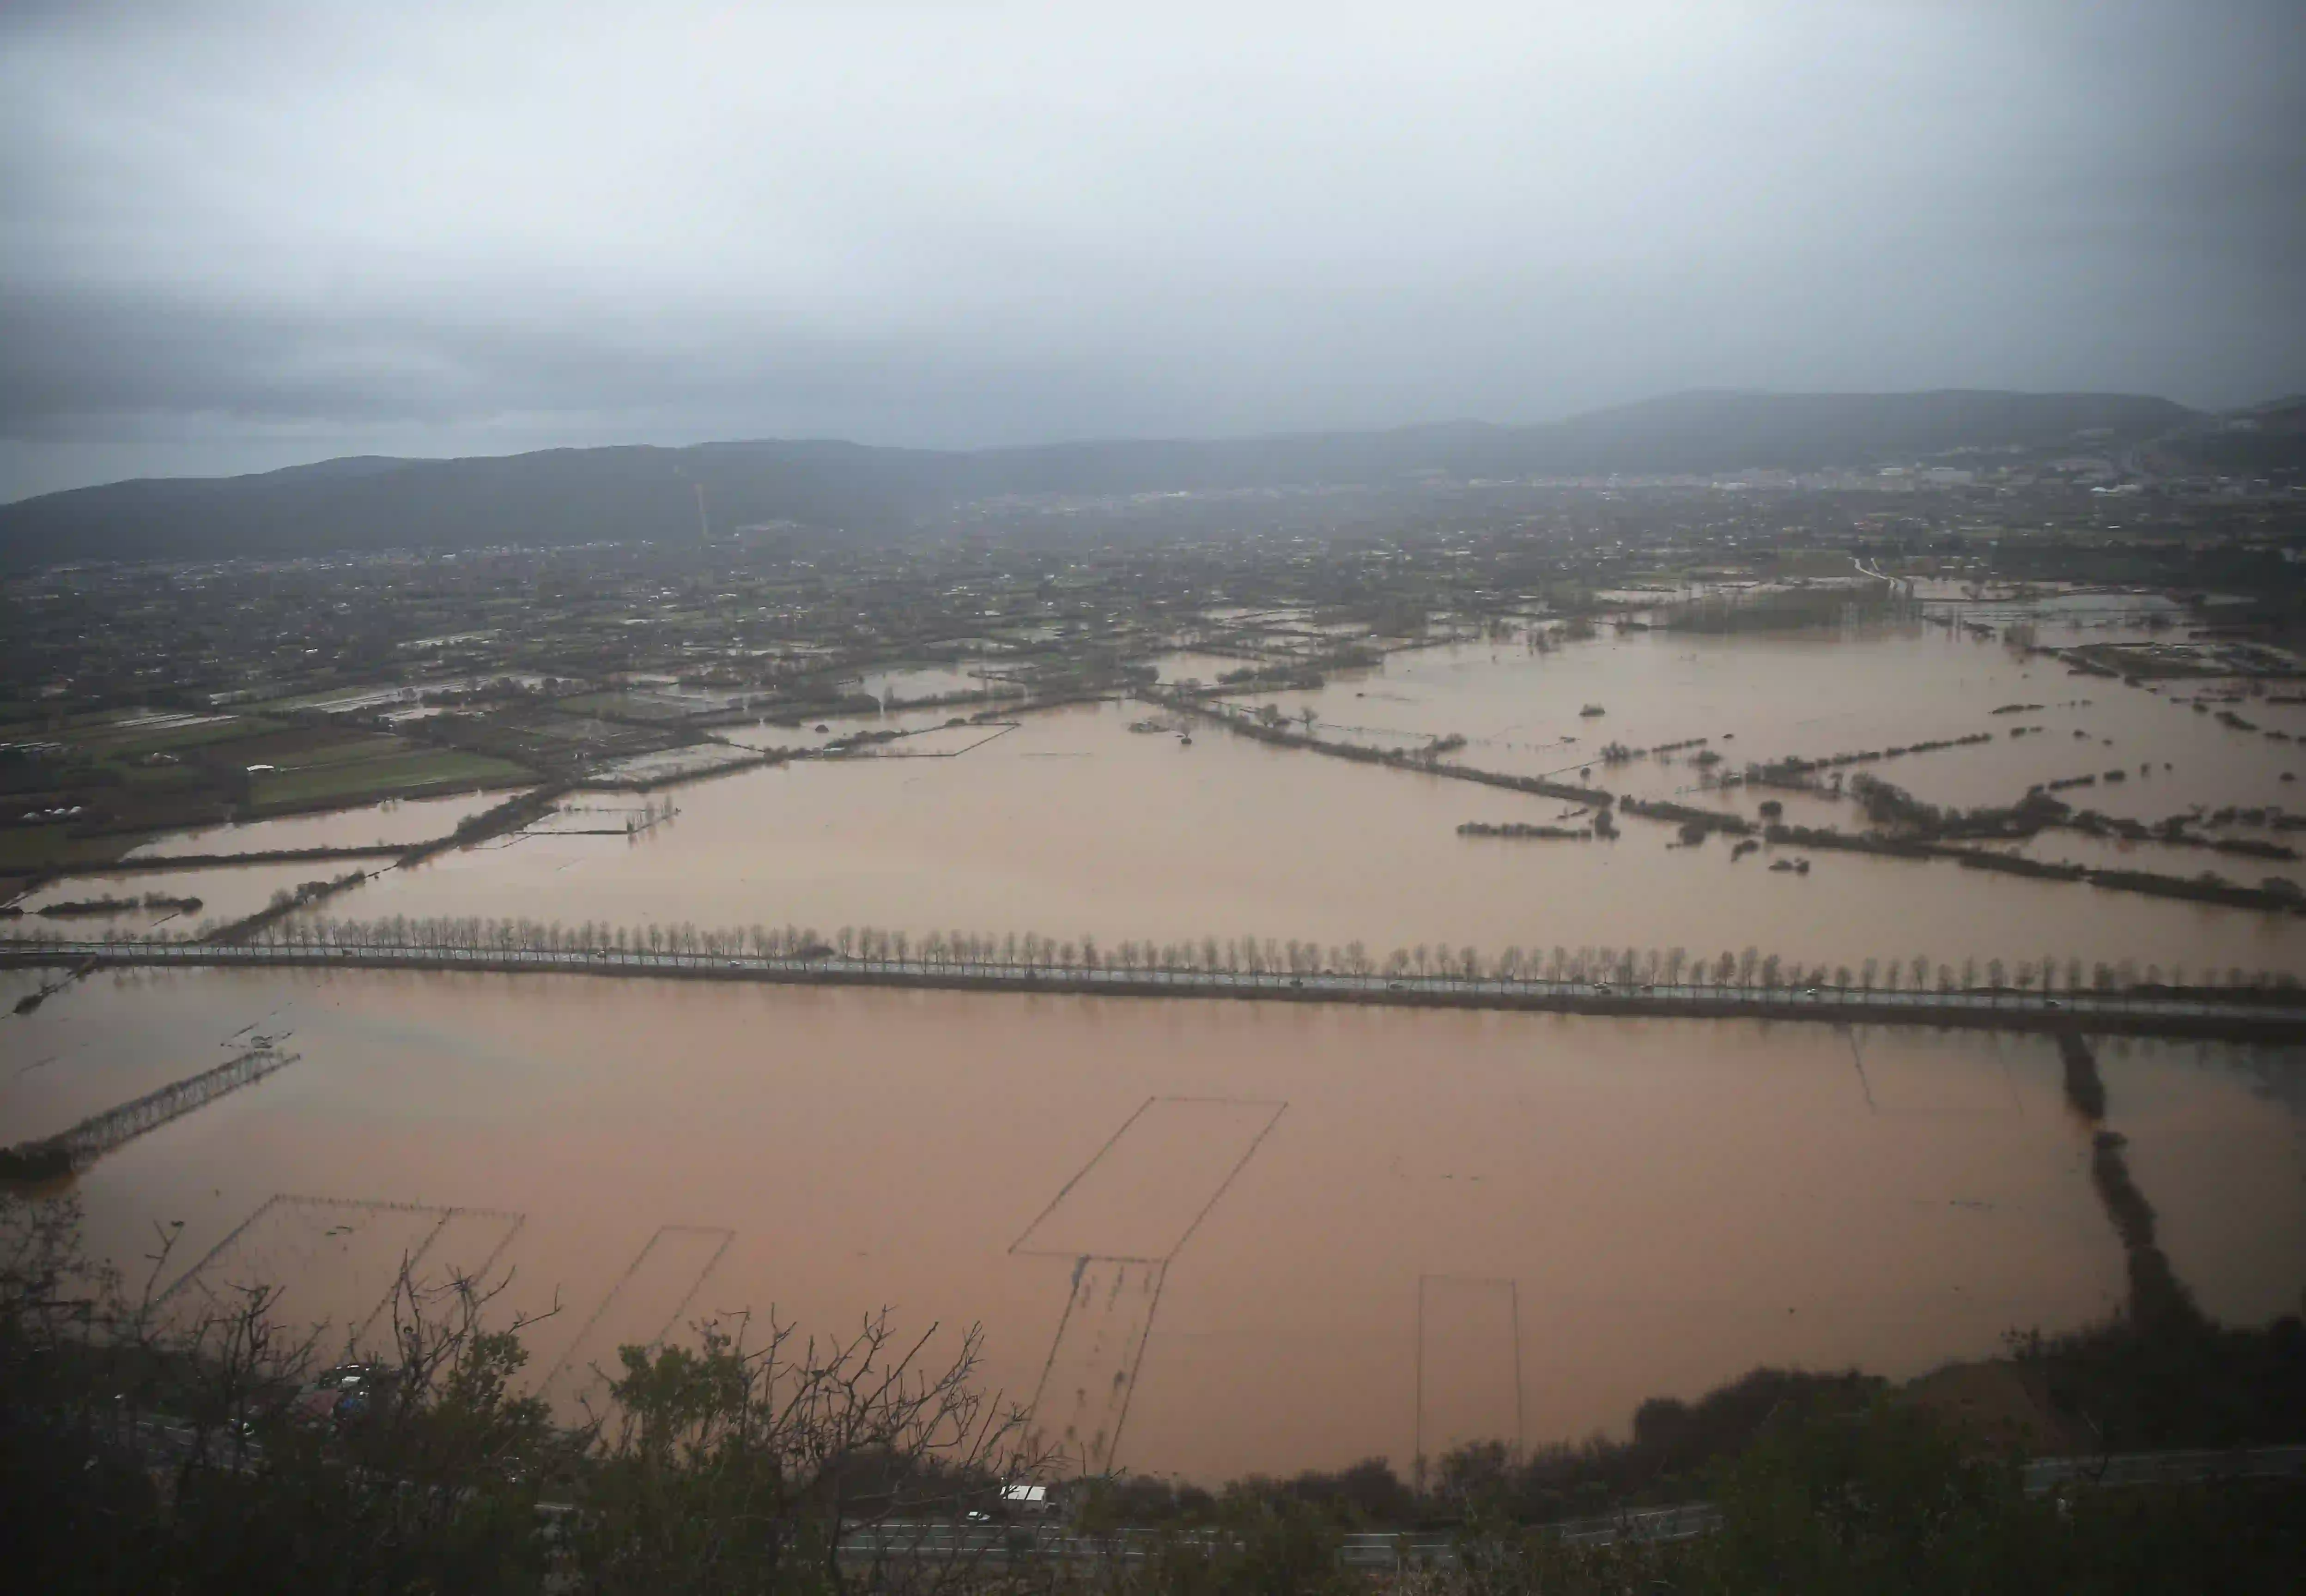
(1077, 1175)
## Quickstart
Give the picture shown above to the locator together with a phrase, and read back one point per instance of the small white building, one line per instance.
(1026, 1499)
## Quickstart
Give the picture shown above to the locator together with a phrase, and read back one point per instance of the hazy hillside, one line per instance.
(576, 496)
(1725, 431)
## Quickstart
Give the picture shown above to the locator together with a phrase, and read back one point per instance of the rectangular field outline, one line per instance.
(1137, 1359)
(1513, 1299)
(450, 1216)
(1017, 1248)
(728, 1238)
(445, 1213)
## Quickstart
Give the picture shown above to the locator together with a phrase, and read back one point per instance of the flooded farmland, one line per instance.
(1230, 1226)
(1076, 824)
(1102, 820)
(1765, 698)
(224, 892)
(395, 823)
(1210, 1237)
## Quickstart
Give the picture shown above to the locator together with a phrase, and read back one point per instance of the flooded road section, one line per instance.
(1073, 823)
(1208, 1237)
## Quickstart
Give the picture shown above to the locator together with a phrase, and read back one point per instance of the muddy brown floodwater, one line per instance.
(1208, 1237)
(227, 892)
(1074, 824)
(1813, 695)
(1243, 1229)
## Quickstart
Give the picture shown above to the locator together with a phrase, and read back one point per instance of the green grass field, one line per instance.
(24, 848)
(319, 753)
(391, 774)
(123, 744)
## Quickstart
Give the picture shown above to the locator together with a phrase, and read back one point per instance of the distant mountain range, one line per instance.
(576, 496)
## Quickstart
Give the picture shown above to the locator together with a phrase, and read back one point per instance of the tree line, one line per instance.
(1247, 954)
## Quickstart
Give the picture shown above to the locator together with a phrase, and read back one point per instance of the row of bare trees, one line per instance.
(965, 951)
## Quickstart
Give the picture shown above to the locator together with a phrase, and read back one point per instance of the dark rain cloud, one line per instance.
(232, 237)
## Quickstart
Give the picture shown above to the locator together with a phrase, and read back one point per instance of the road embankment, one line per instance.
(2110, 1013)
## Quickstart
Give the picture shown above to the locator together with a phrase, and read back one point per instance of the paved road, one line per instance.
(2003, 1009)
(945, 1540)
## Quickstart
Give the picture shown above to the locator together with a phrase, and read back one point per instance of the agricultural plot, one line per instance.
(912, 685)
(1895, 1082)
(1142, 1194)
(1082, 1403)
(765, 736)
(643, 1308)
(340, 701)
(379, 768)
(99, 779)
(934, 742)
(654, 706)
(550, 740)
(1122, 1218)
(605, 817)
(669, 765)
(115, 904)
(139, 736)
(16, 984)
(392, 823)
(1188, 665)
(1468, 1363)
(162, 773)
(316, 1251)
(29, 847)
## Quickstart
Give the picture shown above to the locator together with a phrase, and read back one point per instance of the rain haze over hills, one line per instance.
(246, 236)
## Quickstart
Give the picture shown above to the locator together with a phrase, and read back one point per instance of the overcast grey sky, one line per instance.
(237, 236)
